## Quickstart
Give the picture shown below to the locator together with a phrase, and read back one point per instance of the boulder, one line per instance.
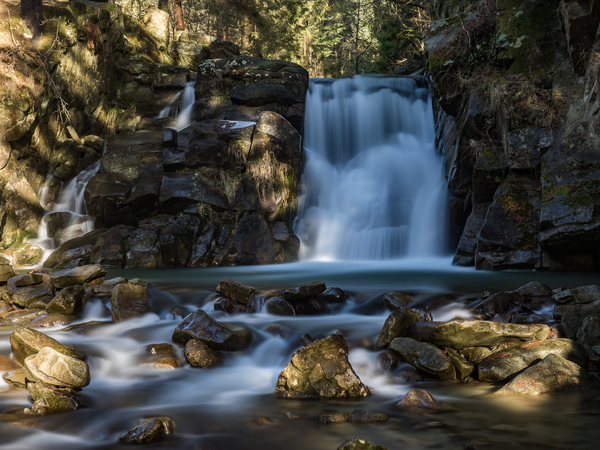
(275, 135)
(553, 373)
(589, 333)
(15, 378)
(573, 318)
(25, 342)
(426, 357)
(22, 317)
(534, 289)
(57, 369)
(463, 367)
(579, 295)
(303, 291)
(231, 307)
(512, 360)
(148, 431)
(68, 301)
(77, 276)
(321, 369)
(418, 397)
(396, 300)
(199, 354)
(47, 399)
(498, 303)
(6, 273)
(236, 291)
(459, 334)
(26, 295)
(355, 416)
(334, 295)
(279, 307)
(467, 246)
(396, 325)
(218, 336)
(128, 301)
(265, 93)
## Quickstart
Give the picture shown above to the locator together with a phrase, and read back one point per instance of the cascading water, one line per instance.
(373, 182)
(68, 216)
(181, 106)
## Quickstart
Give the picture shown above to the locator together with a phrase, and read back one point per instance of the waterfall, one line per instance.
(181, 106)
(373, 186)
(68, 218)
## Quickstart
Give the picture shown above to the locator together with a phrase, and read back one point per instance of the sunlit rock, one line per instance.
(459, 334)
(199, 354)
(554, 373)
(321, 369)
(129, 301)
(68, 301)
(55, 368)
(509, 361)
(26, 342)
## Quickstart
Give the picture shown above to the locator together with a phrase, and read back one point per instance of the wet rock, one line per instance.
(320, 369)
(360, 444)
(148, 431)
(510, 361)
(388, 360)
(15, 378)
(230, 307)
(355, 416)
(334, 295)
(26, 342)
(467, 246)
(26, 295)
(7, 363)
(162, 362)
(68, 301)
(573, 318)
(459, 334)
(426, 357)
(396, 300)
(6, 273)
(580, 295)
(26, 279)
(476, 354)
(310, 306)
(199, 354)
(463, 367)
(589, 332)
(218, 336)
(54, 368)
(553, 373)
(128, 301)
(418, 397)
(159, 349)
(396, 325)
(22, 317)
(47, 399)
(78, 275)
(51, 320)
(498, 303)
(236, 291)
(534, 289)
(280, 307)
(303, 291)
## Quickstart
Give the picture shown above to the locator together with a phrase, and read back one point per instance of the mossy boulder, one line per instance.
(429, 359)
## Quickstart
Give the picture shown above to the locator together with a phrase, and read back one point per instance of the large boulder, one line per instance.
(321, 369)
(129, 301)
(553, 373)
(512, 360)
(459, 334)
(396, 325)
(57, 369)
(77, 276)
(218, 336)
(25, 342)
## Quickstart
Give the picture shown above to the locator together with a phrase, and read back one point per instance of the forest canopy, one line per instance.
(328, 37)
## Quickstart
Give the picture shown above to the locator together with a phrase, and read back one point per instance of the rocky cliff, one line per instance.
(516, 84)
(218, 192)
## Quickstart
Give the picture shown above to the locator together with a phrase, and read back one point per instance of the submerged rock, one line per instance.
(511, 360)
(418, 397)
(321, 369)
(360, 444)
(554, 373)
(218, 336)
(149, 430)
(355, 416)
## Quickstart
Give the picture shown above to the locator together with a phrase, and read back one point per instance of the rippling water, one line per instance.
(234, 407)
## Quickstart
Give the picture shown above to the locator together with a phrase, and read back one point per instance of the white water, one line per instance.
(181, 106)
(71, 205)
(373, 186)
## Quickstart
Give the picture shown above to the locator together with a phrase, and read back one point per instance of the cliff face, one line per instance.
(92, 88)
(516, 83)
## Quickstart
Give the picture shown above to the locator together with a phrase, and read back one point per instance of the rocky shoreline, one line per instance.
(512, 340)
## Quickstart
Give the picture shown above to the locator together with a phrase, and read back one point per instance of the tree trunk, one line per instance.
(179, 24)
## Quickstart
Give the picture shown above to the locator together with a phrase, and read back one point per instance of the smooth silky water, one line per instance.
(235, 407)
